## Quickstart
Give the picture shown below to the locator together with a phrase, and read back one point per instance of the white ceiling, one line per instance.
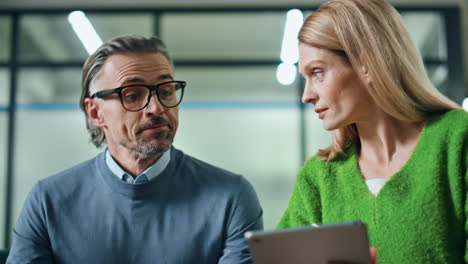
(28, 4)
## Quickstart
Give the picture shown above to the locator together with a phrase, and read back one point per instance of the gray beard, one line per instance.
(147, 149)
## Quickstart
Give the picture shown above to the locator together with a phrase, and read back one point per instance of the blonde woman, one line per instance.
(398, 160)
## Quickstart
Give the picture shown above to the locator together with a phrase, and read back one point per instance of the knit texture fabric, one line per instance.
(191, 213)
(420, 214)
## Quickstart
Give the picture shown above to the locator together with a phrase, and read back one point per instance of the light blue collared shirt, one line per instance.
(150, 173)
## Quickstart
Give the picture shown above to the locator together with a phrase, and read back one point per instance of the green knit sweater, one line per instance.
(420, 214)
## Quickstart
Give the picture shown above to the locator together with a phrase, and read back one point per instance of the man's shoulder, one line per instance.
(71, 177)
(63, 189)
(203, 171)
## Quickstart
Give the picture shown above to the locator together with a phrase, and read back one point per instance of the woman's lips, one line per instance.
(321, 112)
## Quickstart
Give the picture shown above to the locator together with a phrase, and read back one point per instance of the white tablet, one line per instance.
(321, 244)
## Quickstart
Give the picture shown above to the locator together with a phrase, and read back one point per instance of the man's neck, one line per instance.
(131, 162)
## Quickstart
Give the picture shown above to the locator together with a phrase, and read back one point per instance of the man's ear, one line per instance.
(94, 112)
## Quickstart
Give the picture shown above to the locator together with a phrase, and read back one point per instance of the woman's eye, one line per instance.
(317, 74)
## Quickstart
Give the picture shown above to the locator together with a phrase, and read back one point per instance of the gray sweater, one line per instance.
(192, 212)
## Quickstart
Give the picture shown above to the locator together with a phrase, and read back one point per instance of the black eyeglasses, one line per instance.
(136, 97)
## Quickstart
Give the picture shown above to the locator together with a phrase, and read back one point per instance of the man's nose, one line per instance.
(154, 106)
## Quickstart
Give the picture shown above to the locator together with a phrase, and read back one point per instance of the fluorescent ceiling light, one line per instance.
(289, 47)
(286, 73)
(85, 31)
(465, 104)
(439, 75)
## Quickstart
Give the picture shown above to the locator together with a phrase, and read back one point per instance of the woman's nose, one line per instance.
(309, 96)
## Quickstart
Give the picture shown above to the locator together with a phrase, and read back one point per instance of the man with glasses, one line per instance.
(141, 200)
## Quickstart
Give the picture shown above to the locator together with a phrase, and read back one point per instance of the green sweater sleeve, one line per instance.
(466, 213)
(465, 160)
(304, 206)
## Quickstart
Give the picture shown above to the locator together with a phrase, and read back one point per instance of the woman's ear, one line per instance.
(94, 112)
(365, 75)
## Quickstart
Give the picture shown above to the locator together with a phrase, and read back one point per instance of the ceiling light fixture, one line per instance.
(286, 72)
(85, 31)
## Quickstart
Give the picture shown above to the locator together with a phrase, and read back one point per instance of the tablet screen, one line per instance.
(345, 241)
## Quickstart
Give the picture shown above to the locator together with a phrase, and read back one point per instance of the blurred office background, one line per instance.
(238, 112)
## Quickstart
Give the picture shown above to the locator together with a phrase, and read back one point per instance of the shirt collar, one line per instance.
(150, 173)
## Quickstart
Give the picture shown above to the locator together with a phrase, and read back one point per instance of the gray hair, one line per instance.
(125, 44)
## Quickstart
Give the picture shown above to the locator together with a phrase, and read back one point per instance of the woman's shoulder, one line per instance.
(322, 167)
(452, 118)
(449, 123)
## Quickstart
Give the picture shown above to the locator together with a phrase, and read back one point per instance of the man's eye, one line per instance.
(132, 96)
(167, 90)
(165, 94)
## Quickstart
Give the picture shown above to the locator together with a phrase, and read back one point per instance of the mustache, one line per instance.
(155, 121)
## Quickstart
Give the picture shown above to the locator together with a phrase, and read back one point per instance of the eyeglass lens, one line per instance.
(136, 97)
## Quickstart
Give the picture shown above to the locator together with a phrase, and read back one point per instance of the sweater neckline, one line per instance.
(137, 191)
(395, 178)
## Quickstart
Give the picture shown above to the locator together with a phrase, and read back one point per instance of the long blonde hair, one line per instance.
(372, 35)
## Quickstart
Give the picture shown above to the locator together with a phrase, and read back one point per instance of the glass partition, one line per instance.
(49, 85)
(255, 84)
(5, 38)
(48, 141)
(428, 33)
(112, 25)
(3, 170)
(4, 88)
(241, 119)
(261, 143)
(4, 102)
(51, 37)
(232, 36)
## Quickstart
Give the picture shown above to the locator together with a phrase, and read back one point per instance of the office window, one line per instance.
(3, 167)
(50, 133)
(241, 119)
(427, 32)
(49, 85)
(48, 140)
(235, 36)
(316, 136)
(51, 37)
(5, 38)
(4, 88)
(111, 25)
(255, 84)
(439, 76)
(262, 144)
(4, 97)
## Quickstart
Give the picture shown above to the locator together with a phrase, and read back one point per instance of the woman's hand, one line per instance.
(373, 254)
